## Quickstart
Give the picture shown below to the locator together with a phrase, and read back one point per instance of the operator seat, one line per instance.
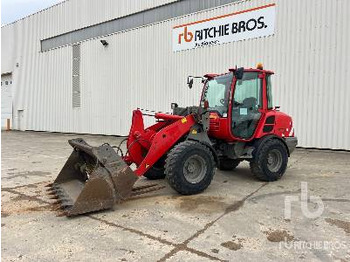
(245, 118)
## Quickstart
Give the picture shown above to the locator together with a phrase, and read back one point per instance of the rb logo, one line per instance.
(188, 36)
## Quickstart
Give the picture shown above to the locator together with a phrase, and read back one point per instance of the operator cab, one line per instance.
(237, 98)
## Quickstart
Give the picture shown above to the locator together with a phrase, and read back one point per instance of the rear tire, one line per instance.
(227, 163)
(190, 167)
(270, 161)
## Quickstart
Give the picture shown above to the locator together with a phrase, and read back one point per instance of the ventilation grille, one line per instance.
(269, 124)
(76, 76)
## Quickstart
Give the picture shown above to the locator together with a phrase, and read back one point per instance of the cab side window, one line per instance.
(247, 101)
(248, 91)
(269, 92)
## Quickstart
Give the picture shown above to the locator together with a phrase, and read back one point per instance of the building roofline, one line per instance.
(37, 12)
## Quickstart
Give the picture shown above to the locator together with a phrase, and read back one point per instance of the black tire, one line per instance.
(227, 163)
(190, 167)
(263, 167)
(156, 171)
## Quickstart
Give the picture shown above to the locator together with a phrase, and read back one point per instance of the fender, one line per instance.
(259, 142)
(197, 133)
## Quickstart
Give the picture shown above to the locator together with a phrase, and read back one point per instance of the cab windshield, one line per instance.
(216, 92)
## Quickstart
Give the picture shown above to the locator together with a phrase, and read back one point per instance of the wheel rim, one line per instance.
(274, 160)
(194, 169)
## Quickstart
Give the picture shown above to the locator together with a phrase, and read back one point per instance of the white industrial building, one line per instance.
(58, 76)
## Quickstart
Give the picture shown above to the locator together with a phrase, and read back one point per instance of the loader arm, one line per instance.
(139, 138)
(163, 141)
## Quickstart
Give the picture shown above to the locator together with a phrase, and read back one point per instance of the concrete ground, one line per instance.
(237, 218)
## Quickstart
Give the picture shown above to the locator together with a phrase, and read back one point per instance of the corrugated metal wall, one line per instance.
(131, 21)
(309, 53)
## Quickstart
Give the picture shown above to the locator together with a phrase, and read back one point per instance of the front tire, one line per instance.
(190, 167)
(270, 161)
(156, 171)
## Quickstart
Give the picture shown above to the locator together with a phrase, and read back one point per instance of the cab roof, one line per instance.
(253, 70)
(211, 76)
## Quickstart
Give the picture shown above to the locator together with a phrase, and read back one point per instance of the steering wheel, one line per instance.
(237, 103)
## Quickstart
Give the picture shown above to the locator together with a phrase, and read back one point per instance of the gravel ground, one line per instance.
(237, 218)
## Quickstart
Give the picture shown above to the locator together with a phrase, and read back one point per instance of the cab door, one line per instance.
(246, 105)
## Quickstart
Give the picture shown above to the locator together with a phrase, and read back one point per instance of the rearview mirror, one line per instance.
(174, 105)
(190, 82)
(239, 72)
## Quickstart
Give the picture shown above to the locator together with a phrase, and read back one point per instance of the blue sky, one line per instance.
(12, 10)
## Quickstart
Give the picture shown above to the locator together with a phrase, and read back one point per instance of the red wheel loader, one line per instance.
(235, 121)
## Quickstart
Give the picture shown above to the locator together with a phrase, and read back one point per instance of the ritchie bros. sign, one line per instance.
(246, 24)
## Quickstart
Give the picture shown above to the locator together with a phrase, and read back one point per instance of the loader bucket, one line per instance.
(92, 179)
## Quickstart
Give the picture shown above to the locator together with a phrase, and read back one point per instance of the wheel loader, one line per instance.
(235, 121)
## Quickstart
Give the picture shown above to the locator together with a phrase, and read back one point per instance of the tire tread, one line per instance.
(171, 166)
(256, 164)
